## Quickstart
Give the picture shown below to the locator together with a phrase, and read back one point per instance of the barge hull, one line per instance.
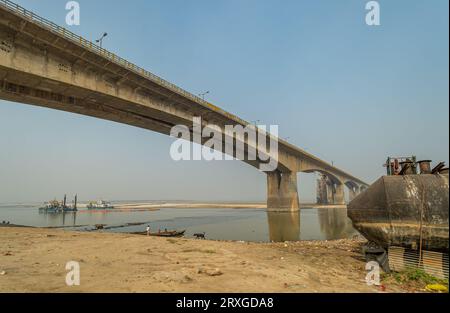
(409, 211)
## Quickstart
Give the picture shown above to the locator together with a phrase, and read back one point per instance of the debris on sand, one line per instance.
(210, 272)
(436, 288)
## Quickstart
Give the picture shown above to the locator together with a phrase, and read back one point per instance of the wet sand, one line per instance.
(33, 260)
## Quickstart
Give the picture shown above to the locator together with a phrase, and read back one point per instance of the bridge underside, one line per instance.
(39, 66)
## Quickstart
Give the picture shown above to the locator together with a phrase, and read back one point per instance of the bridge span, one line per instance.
(46, 65)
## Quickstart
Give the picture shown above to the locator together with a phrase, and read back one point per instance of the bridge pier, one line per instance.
(353, 193)
(321, 190)
(339, 196)
(330, 192)
(334, 193)
(282, 194)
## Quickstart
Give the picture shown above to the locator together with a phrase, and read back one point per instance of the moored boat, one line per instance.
(162, 233)
(99, 205)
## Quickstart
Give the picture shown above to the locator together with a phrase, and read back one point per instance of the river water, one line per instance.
(219, 224)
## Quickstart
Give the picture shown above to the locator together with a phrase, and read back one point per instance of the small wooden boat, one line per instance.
(162, 234)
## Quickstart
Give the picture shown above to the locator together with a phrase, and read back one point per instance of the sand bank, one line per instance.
(204, 205)
(34, 260)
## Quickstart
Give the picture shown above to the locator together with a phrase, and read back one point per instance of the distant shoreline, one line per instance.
(213, 205)
(155, 205)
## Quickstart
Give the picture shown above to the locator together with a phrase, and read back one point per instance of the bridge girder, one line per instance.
(44, 66)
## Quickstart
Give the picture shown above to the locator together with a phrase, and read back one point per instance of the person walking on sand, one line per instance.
(148, 230)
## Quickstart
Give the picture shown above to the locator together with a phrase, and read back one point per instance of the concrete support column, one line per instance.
(339, 197)
(321, 190)
(282, 192)
(330, 193)
(352, 193)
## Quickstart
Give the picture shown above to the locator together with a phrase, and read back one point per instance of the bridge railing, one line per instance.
(11, 6)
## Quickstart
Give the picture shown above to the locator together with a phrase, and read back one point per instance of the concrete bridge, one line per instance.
(46, 65)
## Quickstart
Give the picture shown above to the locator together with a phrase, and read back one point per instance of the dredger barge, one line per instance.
(404, 216)
(408, 208)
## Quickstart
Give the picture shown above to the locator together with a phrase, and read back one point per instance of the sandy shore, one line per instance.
(33, 260)
(203, 205)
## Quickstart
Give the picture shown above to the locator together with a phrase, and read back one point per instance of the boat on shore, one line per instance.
(162, 233)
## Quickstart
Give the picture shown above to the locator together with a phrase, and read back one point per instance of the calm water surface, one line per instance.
(219, 224)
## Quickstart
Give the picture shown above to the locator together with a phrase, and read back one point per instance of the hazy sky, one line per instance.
(342, 90)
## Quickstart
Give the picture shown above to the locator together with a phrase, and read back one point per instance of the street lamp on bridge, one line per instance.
(202, 95)
(100, 40)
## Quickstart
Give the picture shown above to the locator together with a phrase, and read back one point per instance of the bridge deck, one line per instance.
(110, 61)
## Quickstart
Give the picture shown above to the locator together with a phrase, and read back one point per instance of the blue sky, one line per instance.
(342, 90)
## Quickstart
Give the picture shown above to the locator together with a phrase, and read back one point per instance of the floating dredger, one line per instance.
(407, 209)
(59, 207)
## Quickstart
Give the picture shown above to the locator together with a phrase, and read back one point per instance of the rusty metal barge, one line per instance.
(405, 208)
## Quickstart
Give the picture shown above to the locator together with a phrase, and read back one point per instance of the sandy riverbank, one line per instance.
(202, 205)
(34, 261)
(188, 205)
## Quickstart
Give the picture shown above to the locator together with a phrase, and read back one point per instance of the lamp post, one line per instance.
(100, 40)
(202, 95)
(256, 123)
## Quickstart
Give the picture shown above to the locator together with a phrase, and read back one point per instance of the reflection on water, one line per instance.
(284, 226)
(329, 224)
(218, 224)
(335, 224)
(60, 219)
